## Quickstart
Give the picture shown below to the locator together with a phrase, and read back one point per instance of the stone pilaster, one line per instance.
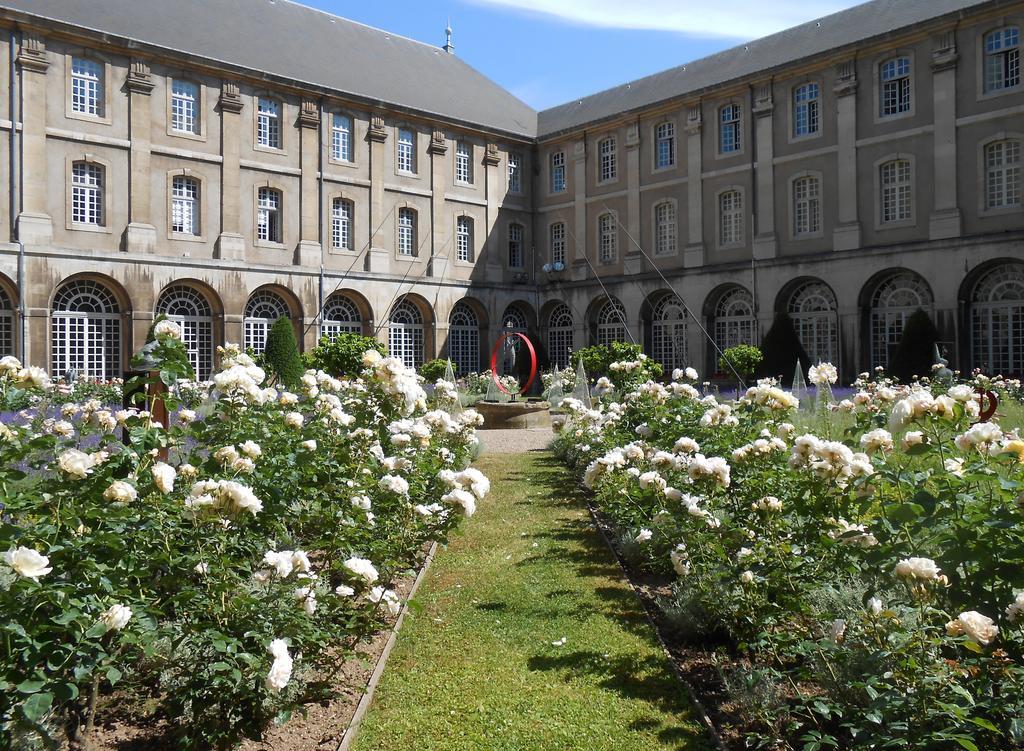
(494, 249)
(377, 257)
(765, 240)
(140, 235)
(945, 219)
(309, 251)
(438, 181)
(576, 254)
(35, 226)
(633, 219)
(230, 243)
(693, 256)
(846, 235)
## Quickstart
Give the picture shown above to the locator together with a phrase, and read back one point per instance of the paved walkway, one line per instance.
(525, 636)
(514, 441)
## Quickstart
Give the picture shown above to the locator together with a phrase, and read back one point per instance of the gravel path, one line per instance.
(514, 441)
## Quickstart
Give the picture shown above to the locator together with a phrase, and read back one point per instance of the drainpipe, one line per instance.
(14, 164)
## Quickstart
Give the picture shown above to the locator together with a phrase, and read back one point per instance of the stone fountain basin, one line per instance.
(512, 415)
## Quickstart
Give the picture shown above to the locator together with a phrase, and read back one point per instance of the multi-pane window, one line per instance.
(184, 205)
(813, 310)
(341, 224)
(6, 325)
(997, 321)
(405, 334)
(730, 218)
(606, 152)
(611, 323)
(87, 194)
(668, 333)
(734, 318)
(515, 173)
(729, 136)
(1002, 175)
(665, 145)
(806, 206)
(85, 331)
(560, 335)
(893, 302)
(268, 123)
(896, 190)
(406, 150)
(406, 232)
(558, 172)
(262, 310)
(665, 229)
(557, 241)
(1002, 59)
(340, 316)
(341, 138)
(188, 308)
(895, 75)
(608, 239)
(268, 215)
(463, 163)
(464, 339)
(806, 109)
(464, 238)
(86, 86)
(515, 246)
(184, 107)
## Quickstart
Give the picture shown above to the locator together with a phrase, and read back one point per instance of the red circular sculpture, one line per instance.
(993, 402)
(494, 362)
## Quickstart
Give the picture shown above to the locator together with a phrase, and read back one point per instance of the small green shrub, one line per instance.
(434, 370)
(744, 358)
(342, 355)
(281, 355)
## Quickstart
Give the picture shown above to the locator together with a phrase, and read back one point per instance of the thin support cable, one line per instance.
(618, 310)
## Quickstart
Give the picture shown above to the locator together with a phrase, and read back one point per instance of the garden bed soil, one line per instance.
(321, 725)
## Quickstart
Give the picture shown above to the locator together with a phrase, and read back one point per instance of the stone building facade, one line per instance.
(847, 172)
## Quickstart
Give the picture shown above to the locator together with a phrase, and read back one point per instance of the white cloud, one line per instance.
(738, 19)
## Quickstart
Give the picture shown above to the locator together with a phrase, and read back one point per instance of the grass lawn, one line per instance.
(481, 662)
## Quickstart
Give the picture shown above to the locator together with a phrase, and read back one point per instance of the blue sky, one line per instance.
(548, 51)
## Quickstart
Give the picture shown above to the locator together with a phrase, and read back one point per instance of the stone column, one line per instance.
(230, 243)
(945, 219)
(765, 241)
(576, 258)
(846, 235)
(35, 226)
(437, 150)
(494, 257)
(633, 259)
(377, 135)
(140, 235)
(309, 252)
(693, 256)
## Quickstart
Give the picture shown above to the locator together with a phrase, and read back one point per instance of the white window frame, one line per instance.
(191, 310)
(515, 173)
(1001, 60)
(607, 238)
(556, 166)
(806, 110)
(556, 242)
(463, 163)
(464, 338)
(805, 194)
(607, 168)
(88, 209)
(405, 151)
(269, 215)
(666, 228)
(186, 203)
(88, 84)
(186, 107)
(269, 130)
(341, 137)
(1004, 178)
(664, 145)
(342, 223)
(464, 239)
(87, 341)
(896, 87)
(730, 129)
(516, 243)
(561, 333)
(256, 328)
(407, 219)
(340, 316)
(898, 193)
(731, 221)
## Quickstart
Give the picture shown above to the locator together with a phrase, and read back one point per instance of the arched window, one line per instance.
(896, 193)
(1002, 175)
(514, 319)
(341, 223)
(730, 218)
(608, 239)
(6, 324)
(611, 322)
(997, 321)
(560, 335)
(515, 246)
(1002, 59)
(806, 206)
(665, 145)
(340, 316)
(405, 334)
(464, 339)
(268, 215)
(185, 205)
(406, 232)
(806, 109)
(668, 333)
(895, 86)
(812, 306)
(734, 318)
(87, 194)
(190, 309)
(264, 307)
(665, 229)
(892, 304)
(557, 242)
(464, 238)
(341, 138)
(85, 334)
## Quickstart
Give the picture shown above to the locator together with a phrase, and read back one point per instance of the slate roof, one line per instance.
(290, 41)
(807, 40)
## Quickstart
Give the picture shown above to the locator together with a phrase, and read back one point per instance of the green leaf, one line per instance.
(30, 686)
(36, 706)
(966, 743)
(113, 675)
(981, 722)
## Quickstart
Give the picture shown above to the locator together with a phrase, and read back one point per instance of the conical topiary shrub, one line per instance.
(914, 354)
(281, 355)
(782, 348)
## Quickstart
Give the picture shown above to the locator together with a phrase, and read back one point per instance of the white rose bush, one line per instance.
(861, 576)
(217, 569)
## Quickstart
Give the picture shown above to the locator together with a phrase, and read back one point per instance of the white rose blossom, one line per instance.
(28, 562)
(281, 670)
(116, 617)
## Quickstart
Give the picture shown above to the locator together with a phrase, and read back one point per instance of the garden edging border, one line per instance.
(378, 670)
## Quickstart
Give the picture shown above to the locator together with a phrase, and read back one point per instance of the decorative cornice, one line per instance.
(438, 143)
(763, 102)
(230, 98)
(309, 114)
(492, 158)
(846, 79)
(376, 132)
(632, 135)
(945, 57)
(693, 120)
(32, 53)
(140, 79)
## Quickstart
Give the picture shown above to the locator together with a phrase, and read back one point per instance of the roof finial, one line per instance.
(448, 46)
